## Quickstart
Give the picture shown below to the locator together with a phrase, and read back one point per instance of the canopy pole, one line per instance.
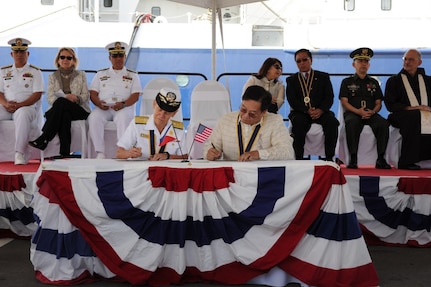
(213, 44)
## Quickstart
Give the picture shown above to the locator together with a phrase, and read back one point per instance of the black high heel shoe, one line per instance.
(39, 143)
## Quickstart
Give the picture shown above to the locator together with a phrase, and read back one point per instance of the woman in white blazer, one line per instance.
(267, 77)
(69, 99)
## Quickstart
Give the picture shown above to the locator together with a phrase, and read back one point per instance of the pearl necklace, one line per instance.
(65, 76)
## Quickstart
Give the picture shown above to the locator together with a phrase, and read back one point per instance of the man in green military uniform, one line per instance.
(361, 98)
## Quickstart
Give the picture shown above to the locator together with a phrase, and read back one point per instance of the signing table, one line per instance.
(169, 222)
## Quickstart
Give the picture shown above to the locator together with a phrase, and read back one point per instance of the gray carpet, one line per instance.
(396, 267)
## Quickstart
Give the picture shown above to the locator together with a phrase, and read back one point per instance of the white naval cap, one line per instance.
(117, 47)
(19, 44)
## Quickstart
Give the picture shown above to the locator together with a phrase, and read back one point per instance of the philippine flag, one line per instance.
(166, 139)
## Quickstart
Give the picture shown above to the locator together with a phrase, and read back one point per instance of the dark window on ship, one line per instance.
(349, 5)
(47, 2)
(386, 5)
(107, 3)
(156, 11)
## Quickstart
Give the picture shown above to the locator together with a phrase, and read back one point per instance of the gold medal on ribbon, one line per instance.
(363, 104)
(306, 87)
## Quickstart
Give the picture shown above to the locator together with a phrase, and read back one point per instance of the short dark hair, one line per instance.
(258, 94)
(302, 51)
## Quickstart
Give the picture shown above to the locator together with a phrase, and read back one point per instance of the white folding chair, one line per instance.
(7, 135)
(79, 143)
(394, 149)
(209, 101)
(7, 146)
(314, 141)
(110, 139)
(367, 147)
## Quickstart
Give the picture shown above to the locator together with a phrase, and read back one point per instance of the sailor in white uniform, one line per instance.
(157, 136)
(114, 92)
(21, 87)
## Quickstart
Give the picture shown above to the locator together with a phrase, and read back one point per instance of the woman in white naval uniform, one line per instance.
(155, 137)
(114, 92)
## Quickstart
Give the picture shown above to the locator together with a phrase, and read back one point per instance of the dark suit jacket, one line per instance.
(396, 98)
(322, 93)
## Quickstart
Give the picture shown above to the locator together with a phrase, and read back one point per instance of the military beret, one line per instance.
(362, 53)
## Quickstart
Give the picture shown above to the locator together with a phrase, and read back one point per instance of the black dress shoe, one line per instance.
(410, 166)
(39, 143)
(353, 165)
(382, 164)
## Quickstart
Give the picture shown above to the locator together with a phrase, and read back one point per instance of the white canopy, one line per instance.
(215, 5)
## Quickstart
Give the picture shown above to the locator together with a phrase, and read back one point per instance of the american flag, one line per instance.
(203, 133)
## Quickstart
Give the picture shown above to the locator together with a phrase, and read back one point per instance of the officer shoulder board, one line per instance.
(103, 69)
(34, 67)
(131, 71)
(142, 120)
(6, 67)
(178, 125)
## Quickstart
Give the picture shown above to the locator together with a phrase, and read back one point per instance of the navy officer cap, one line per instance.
(117, 47)
(166, 99)
(19, 44)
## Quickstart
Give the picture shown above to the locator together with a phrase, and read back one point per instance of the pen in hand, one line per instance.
(215, 154)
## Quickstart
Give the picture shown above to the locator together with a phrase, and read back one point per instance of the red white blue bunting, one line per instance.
(228, 224)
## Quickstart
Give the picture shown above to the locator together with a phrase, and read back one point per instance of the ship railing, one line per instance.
(233, 82)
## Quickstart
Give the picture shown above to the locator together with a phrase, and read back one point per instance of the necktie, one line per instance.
(306, 76)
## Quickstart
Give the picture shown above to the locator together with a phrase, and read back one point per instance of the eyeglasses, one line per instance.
(409, 59)
(252, 115)
(69, 58)
(302, 60)
(117, 55)
(278, 67)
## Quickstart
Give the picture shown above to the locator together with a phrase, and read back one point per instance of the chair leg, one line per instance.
(83, 142)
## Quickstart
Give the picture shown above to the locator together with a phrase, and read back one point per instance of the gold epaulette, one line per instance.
(6, 67)
(178, 125)
(131, 71)
(34, 67)
(141, 120)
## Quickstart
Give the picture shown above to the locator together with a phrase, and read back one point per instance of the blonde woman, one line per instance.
(69, 100)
